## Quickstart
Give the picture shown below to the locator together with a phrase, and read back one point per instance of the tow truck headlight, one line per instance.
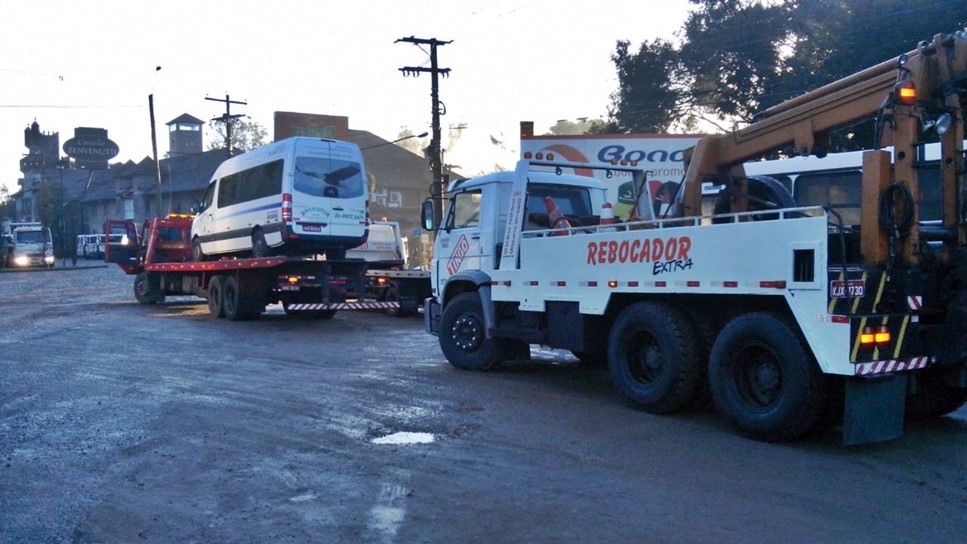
(49, 259)
(21, 260)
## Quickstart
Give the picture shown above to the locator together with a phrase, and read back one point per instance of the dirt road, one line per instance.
(127, 423)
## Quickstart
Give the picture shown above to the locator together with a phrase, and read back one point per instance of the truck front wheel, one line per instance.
(215, 297)
(147, 290)
(934, 398)
(653, 357)
(462, 335)
(764, 381)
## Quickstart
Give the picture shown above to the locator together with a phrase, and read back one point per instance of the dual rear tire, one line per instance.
(226, 299)
(761, 376)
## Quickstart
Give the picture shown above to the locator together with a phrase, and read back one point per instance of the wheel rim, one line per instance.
(229, 298)
(644, 357)
(758, 376)
(259, 245)
(467, 333)
(144, 289)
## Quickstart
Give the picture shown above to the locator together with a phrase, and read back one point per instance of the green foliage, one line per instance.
(581, 126)
(7, 204)
(246, 135)
(737, 58)
(48, 203)
(648, 98)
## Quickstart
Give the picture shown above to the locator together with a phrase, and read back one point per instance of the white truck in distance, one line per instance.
(28, 244)
(388, 276)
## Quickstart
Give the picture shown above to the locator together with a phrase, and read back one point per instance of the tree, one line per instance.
(246, 135)
(648, 98)
(737, 58)
(7, 204)
(582, 126)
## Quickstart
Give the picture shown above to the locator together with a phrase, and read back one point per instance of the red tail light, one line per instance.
(286, 208)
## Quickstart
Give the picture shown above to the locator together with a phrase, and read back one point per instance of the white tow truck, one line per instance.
(794, 320)
(388, 276)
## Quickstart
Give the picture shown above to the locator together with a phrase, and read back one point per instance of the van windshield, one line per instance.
(30, 236)
(334, 178)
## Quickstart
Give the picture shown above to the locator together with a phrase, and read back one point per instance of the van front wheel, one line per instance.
(197, 254)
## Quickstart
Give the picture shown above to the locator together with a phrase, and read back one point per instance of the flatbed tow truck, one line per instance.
(160, 259)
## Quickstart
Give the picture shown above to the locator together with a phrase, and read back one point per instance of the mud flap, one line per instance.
(874, 409)
(431, 316)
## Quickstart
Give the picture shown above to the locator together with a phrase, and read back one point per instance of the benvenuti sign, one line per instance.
(91, 148)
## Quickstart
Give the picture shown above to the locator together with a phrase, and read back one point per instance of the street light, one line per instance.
(396, 141)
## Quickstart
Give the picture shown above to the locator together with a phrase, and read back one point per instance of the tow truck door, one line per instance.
(121, 244)
(460, 244)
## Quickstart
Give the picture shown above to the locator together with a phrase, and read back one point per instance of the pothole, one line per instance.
(405, 438)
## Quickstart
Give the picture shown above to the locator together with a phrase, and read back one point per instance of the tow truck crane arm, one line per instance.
(936, 70)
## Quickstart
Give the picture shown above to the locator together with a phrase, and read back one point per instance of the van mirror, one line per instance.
(426, 215)
(195, 206)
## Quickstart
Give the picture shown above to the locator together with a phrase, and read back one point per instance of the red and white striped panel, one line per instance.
(915, 302)
(884, 367)
(344, 306)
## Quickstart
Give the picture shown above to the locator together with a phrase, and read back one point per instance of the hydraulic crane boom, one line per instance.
(936, 75)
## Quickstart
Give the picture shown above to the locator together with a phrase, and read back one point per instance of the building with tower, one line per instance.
(184, 135)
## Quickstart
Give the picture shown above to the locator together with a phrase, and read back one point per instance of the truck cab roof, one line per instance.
(550, 178)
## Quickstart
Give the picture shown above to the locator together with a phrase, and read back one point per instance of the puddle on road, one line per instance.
(405, 438)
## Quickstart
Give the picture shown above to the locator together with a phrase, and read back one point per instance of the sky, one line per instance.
(93, 63)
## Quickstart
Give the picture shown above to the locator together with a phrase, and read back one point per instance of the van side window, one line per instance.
(334, 178)
(209, 197)
(251, 184)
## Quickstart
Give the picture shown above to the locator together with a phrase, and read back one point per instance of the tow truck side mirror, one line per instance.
(426, 215)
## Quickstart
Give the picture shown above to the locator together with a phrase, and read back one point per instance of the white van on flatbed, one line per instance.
(298, 196)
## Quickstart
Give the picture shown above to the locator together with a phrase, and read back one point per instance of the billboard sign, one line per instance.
(660, 155)
(91, 148)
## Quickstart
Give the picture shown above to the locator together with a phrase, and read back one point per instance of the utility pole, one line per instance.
(438, 109)
(154, 151)
(227, 118)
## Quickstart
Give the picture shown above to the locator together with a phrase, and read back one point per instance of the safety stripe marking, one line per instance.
(344, 306)
(883, 367)
(915, 302)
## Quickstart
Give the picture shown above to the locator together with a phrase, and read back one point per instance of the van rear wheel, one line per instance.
(260, 248)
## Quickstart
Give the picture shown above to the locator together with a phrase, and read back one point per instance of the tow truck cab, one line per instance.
(473, 232)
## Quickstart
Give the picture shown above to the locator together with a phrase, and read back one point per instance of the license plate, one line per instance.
(847, 289)
(312, 228)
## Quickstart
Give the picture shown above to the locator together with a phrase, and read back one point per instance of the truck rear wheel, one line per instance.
(147, 290)
(462, 335)
(764, 381)
(934, 398)
(239, 306)
(215, 297)
(652, 357)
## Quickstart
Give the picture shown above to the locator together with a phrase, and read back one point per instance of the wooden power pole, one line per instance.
(437, 109)
(227, 118)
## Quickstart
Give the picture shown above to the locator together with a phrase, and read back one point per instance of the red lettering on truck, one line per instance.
(459, 252)
(642, 250)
